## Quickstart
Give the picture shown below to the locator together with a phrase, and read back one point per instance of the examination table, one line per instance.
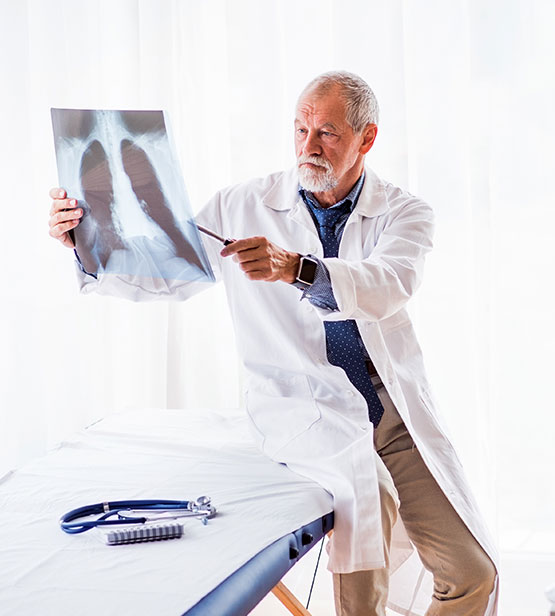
(267, 518)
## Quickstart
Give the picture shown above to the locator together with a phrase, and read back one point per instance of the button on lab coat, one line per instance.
(304, 411)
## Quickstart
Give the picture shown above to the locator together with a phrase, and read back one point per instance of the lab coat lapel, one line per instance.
(371, 203)
(284, 196)
(299, 214)
(373, 197)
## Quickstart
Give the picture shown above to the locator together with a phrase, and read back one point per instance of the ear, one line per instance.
(368, 138)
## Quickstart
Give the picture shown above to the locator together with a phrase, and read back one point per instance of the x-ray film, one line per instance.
(137, 218)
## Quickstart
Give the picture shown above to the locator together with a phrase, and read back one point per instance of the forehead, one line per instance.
(320, 108)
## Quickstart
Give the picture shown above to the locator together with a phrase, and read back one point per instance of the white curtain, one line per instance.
(466, 90)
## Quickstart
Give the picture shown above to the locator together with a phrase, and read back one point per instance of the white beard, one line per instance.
(316, 180)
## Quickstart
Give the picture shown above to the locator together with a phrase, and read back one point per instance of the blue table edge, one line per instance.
(238, 594)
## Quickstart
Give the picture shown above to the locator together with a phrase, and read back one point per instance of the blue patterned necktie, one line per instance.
(343, 339)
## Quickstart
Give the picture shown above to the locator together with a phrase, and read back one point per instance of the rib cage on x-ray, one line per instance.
(137, 218)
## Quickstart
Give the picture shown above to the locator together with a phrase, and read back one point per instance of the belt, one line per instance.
(374, 376)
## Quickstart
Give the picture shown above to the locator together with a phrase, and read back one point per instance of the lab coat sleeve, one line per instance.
(137, 288)
(380, 284)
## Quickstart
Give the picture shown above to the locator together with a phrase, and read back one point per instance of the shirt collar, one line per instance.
(348, 203)
(280, 192)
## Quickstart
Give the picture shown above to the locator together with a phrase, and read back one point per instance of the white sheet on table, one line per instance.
(144, 454)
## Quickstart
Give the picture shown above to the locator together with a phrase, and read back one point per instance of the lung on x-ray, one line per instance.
(123, 170)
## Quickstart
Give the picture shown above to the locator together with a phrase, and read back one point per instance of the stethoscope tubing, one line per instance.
(111, 508)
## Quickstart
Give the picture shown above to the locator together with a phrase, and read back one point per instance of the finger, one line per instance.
(57, 193)
(66, 240)
(259, 275)
(58, 231)
(59, 205)
(241, 245)
(232, 248)
(257, 253)
(65, 216)
(259, 268)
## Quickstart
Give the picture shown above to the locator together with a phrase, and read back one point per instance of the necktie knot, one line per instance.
(328, 217)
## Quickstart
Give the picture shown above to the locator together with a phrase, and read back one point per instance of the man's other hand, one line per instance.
(64, 216)
(260, 259)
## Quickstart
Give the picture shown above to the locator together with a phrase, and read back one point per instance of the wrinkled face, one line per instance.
(326, 146)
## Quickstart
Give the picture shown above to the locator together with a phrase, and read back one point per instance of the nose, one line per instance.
(311, 145)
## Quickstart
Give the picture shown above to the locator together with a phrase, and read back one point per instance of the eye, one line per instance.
(301, 131)
(326, 133)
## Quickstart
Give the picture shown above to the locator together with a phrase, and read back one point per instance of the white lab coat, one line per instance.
(303, 410)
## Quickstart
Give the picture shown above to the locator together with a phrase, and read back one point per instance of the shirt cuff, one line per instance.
(320, 292)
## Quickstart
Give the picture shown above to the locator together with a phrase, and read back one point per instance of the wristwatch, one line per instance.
(305, 273)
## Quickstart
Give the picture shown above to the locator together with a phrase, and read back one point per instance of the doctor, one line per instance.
(328, 258)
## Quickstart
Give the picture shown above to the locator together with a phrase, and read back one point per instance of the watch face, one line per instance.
(308, 270)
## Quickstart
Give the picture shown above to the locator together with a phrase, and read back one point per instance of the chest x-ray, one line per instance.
(137, 218)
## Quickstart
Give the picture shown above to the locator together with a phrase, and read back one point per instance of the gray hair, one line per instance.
(361, 106)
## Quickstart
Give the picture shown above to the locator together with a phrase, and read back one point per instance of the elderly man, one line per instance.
(336, 384)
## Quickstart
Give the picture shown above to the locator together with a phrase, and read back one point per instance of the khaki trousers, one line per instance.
(463, 574)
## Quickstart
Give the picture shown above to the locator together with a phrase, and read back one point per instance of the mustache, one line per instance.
(319, 161)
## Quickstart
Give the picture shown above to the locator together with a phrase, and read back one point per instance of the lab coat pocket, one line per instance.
(279, 415)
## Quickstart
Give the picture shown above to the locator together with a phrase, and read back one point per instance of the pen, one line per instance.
(224, 241)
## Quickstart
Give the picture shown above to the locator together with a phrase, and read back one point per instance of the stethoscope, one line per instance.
(133, 512)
